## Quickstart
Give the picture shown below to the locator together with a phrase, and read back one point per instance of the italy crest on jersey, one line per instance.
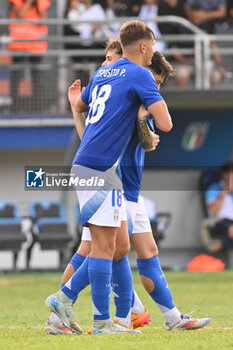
(116, 215)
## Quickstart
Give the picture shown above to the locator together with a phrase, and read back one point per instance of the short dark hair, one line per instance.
(133, 31)
(159, 65)
(114, 44)
(227, 166)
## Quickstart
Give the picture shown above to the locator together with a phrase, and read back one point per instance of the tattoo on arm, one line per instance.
(144, 134)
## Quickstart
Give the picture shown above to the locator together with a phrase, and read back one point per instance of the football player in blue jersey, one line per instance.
(143, 243)
(112, 99)
(95, 157)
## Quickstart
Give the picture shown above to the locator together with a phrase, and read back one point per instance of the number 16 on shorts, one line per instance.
(116, 198)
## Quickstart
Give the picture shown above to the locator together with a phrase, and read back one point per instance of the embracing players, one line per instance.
(136, 50)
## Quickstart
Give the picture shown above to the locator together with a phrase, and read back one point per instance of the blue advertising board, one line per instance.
(35, 137)
(198, 139)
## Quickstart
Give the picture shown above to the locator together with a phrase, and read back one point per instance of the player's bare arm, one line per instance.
(148, 139)
(81, 106)
(215, 206)
(161, 116)
(74, 93)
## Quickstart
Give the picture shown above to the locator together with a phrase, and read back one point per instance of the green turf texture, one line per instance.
(23, 315)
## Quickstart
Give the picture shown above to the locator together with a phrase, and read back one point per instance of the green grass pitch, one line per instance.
(23, 315)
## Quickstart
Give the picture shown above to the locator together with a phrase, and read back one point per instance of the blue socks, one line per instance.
(78, 281)
(122, 285)
(99, 272)
(132, 298)
(161, 294)
(77, 260)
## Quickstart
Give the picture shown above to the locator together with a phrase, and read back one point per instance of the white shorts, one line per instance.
(100, 196)
(136, 216)
(86, 235)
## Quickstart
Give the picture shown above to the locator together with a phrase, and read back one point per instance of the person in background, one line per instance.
(219, 200)
(127, 8)
(170, 8)
(29, 10)
(230, 9)
(111, 13)
(149, 9)
(205, 15)
(100, 32)
(73, 11)
(183, 64)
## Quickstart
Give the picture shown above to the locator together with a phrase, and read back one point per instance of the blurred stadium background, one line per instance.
(40, 130)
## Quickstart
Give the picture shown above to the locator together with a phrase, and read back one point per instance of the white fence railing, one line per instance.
(59, 59)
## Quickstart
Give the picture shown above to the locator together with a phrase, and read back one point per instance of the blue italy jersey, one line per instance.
(132, 164)
(113, 96)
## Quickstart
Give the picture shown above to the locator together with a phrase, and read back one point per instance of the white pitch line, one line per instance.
(227, 328)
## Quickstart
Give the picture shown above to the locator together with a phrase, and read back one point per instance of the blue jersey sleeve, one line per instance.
(146, 87)
(85, 94)
(150, 123)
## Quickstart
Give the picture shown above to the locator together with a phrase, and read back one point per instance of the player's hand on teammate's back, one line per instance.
(74, 92)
